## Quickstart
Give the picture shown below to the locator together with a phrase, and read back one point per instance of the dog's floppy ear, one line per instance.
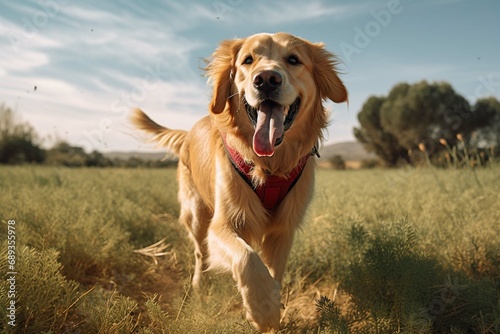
(220, 70)
(329, 84)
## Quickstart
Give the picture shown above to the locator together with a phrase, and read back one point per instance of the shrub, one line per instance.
(391, 281)
(330, 319)
(46, 300)
(393, 286)
(108, 312)
(337, 162)
(370, 163)
(19, 142)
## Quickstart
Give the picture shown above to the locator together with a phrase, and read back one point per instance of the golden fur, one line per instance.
(229, 227)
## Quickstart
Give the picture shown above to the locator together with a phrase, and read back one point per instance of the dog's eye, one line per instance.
(248, 60)
(293, 60)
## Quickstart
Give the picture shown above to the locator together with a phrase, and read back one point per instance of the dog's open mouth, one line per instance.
(270, 123)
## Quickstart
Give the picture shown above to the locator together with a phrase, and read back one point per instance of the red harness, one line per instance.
(276, 188)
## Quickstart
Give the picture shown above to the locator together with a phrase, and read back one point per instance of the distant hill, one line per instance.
(146, 156)
(349, 151)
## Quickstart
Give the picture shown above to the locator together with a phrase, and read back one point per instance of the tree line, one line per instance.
(414, 124)
(20, 144)
(422, 122)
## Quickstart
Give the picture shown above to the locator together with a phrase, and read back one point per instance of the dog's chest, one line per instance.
(275, 189)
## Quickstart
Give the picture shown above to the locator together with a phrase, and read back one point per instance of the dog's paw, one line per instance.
(260, 292)
(263, 303)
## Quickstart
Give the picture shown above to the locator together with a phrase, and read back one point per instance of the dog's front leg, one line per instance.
(260, 291)
(275, 250)
(238, 223)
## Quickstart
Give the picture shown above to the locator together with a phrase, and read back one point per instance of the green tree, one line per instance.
(415, 115)
(19, 143)
(374, 137)
(97, 159)
(65, 154)
(424, 113)
(488, 135)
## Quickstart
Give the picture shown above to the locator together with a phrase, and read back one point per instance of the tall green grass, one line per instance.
(410, 250)
(381, 251)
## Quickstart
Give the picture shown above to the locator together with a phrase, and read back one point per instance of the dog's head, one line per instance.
(279, 81)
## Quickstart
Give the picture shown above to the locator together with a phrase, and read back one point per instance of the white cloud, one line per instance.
(57, 108)
(300, 11)
(81, 14)
(20, 38)
(184, 17)
(22, 62)
(279, 13)
(120, 62)
(127, 38)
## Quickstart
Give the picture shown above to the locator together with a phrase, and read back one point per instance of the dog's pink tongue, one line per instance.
(268, 129)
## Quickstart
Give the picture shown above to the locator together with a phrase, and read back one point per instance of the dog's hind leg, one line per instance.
(198, 233)
(195, 217)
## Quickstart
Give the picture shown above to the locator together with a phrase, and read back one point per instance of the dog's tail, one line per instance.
(171, 139)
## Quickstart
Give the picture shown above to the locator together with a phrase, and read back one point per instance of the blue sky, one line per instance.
(91, 61)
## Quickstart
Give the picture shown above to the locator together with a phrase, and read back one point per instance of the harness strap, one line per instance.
(272, 193)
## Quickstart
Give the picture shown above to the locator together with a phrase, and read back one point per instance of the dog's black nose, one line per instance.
(267, 81)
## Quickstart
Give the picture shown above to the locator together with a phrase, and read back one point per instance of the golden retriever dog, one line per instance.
(246, 171)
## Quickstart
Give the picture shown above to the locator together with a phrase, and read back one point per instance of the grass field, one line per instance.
(381, 251)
